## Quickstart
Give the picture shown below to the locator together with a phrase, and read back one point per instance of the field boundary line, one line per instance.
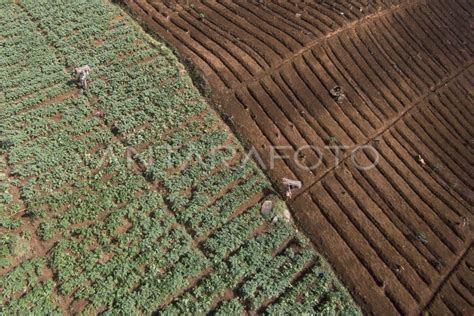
(391, 123)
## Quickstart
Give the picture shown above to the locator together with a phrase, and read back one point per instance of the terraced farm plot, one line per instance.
(131, 197)
(393, 233)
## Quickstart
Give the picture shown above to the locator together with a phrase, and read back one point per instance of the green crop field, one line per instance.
(131, 197)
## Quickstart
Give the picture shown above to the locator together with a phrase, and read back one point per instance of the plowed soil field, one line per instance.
(399, 233)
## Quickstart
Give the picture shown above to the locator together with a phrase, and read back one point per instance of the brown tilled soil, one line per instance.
(399, 234)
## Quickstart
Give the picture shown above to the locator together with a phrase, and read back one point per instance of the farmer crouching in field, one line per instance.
(291, 186)
(83, 72)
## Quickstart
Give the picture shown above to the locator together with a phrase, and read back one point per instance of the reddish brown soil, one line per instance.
(399, 234)
(456, 295)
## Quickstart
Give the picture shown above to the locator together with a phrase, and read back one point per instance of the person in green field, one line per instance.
(83, 72)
